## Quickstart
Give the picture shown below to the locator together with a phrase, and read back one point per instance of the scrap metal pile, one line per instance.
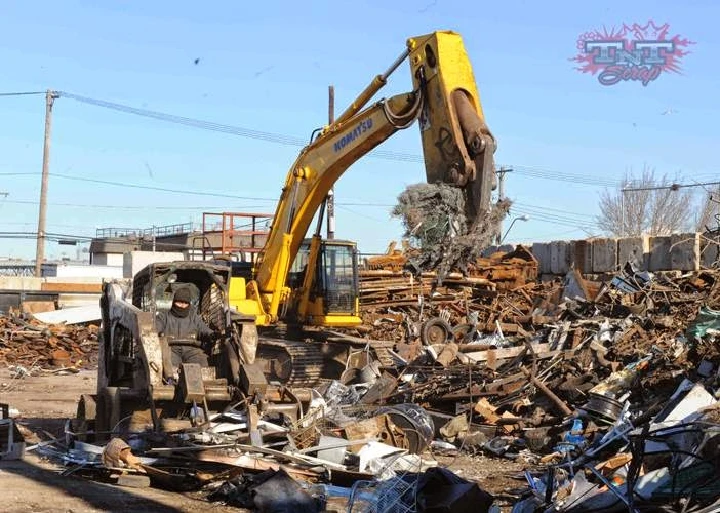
(436, 223)
(333, 447)
(606, 391)
(569, 373)
(27, 343)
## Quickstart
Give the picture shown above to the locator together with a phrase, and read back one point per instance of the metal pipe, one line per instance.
(549, 393)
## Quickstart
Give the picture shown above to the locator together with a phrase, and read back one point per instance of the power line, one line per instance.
(195, 193)
(73, 226)
(130, 207)
(49, 236)
(543, 236)
(672, 187)
(552, 209)
(554, 218)
(160, 189)
(531, 171)
(196, 123)
(566, 177)
(288, 140)
(569, 216)
(22, 93)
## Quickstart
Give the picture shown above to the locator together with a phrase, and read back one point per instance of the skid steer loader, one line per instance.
(139, 390)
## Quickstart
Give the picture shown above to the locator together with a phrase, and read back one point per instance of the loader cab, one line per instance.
(333, 298)
(154, 287)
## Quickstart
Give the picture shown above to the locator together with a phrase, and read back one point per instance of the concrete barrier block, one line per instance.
(685, 251)
(709, 251)
(604, 255)
(635, 250)
(541, 252)
(20, 283)
(659, 255)
(581, 256)
(560, 257)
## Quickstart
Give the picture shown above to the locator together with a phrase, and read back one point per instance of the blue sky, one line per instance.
(266, 66)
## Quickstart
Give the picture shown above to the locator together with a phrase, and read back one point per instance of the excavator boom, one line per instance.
(314, 173)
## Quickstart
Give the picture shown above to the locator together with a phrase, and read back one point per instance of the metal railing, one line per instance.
(157, 231)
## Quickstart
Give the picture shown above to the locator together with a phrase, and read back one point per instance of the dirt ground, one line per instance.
(43, 404)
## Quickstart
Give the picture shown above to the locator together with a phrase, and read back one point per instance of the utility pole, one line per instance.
(501, 181)
(623, 231)
(40, 251)
(331, 193)
(501, 196)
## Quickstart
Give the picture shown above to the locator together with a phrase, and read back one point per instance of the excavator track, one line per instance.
(293, 363)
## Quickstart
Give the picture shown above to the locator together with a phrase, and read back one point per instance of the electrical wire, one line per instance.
(550, 215)
(192, 192)
(356, 213)
(576, 178)
(288, 140)
(563, 211)
(557, 220)
(196, 123)
(535, 172)
(160, 189)
(222, 208)
(22, 93)
(48, 236)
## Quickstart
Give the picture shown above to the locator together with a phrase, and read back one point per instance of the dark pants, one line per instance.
(188, 354)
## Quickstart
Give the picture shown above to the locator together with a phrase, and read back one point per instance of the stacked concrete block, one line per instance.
(604, 255)
(635, 250)
(659, 258)
(581, 257)
(679, 252)
(685, 252)
(560, 257)
(541, 252)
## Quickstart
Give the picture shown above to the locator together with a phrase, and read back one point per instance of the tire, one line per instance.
(85, 418)
(435, 331)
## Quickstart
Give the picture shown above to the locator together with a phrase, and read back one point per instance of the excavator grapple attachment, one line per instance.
(458, 147)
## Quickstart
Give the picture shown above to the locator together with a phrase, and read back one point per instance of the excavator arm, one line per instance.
(313, 175)
(457, 147)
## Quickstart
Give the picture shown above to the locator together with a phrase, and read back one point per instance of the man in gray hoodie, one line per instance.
(185, 330)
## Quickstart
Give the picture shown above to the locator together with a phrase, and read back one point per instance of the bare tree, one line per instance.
(645, 206)
(709, 215)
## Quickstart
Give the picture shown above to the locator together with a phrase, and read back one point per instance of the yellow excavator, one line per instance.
(295, 282)
(315, 283)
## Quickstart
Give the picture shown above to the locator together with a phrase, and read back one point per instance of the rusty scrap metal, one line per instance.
(30, 343)
(573, 332)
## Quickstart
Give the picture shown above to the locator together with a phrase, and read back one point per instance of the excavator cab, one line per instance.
(332, 296)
